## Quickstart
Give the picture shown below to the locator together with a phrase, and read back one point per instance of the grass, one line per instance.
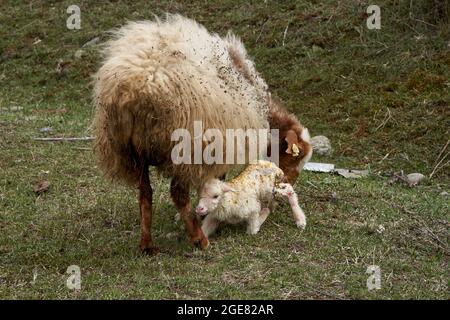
(340, 78)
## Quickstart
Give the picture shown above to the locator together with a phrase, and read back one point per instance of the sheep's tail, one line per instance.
(119, 162)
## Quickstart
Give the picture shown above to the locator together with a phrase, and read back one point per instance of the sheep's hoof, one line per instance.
(202, 243)
(150, 251)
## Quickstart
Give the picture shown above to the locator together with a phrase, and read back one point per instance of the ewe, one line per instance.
(160, 76)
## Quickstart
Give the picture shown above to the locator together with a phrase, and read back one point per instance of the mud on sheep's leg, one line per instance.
(145, 206)
(180, 196)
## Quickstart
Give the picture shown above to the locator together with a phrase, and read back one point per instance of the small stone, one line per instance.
(45, 130)
(444, 194)
(91, 42)
(41, 187)
(171, 235)
(316, 48)
(78, 54)
(16, 108)
(380, 229)
(414, 178)
(321, 145)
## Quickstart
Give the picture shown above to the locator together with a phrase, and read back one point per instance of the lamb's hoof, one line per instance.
(301, 224)
(150, 251)
(202, 243)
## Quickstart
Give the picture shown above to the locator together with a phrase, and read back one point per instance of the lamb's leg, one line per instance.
(253, 224)
(180, 197)
(299, 215)
(209, 225)
(145, 205)
(263, 216)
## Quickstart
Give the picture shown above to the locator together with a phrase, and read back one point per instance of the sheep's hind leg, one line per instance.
(263, 216)
(180, 197)
(255, 222)
(145, 205)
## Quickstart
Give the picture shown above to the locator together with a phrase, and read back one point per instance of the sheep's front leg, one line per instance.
(180, 197)
(209, 225)
(145, 206)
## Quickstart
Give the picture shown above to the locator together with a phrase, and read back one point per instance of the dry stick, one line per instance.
(65, 139)
(412, 214)
(284, 34)
(262, 28)
(442, 151)
(386, 119)
(439, 155)
(435, 168)
(443, 166)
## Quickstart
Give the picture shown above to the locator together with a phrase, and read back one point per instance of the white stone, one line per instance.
(414, 178)
(321, 145)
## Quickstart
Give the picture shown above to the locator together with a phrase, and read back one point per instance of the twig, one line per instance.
(386, 119)
(262, 29)
(427, 23)
(442, 151)
(443, 166)
(65, 139)
(438, 162)
(312, 184)
(285, 32)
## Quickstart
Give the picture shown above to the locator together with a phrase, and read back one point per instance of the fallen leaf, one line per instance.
(45, 130)
(41, 187)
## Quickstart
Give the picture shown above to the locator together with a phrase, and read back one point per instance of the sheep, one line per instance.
(159, 76)
(247, 198)
(295, 148)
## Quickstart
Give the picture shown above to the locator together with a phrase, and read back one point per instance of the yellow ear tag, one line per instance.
(295, 150)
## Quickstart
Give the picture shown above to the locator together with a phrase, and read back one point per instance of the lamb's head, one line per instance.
(210, 195)
(284, 190)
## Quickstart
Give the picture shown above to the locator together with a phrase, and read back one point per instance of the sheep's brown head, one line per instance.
(294, 142)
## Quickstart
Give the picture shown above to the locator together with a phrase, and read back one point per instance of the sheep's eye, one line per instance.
(216, 196)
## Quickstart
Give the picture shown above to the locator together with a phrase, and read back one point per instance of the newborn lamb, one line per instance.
(249, 197)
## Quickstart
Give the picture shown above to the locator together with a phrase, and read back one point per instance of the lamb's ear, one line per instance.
(227, 188)
(293, 145)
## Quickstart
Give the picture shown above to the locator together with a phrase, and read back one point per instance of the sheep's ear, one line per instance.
(226, 188)
(293, 145)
